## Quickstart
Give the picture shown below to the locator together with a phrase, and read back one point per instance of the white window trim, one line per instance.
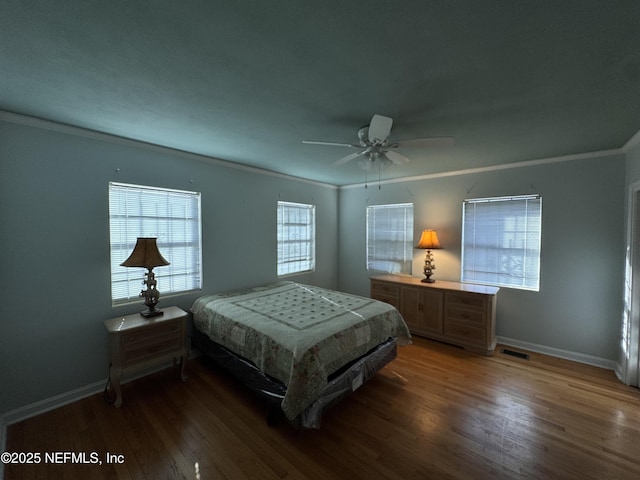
(305, 259)
(529, 278)
(402, 262)
(184, 275)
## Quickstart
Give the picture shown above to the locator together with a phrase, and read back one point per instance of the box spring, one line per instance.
(340, 384)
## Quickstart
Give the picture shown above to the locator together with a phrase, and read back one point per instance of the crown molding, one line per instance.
(29, 121)
(634, 141)
(26, 120)
(493, 168)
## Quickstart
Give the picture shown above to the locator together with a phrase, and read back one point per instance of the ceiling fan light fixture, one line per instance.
(373, 141)
(383, 162)
(363, 135)
(374, 163)
(365, 164)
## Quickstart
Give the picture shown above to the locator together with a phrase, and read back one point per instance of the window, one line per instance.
(390, 238)
(501, 241)
(296, 238)
(173, 216)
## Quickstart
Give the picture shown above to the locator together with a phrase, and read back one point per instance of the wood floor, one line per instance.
(434, 412)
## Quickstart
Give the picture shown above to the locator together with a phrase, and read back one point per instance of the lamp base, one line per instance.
(429, 267)
(151, 313)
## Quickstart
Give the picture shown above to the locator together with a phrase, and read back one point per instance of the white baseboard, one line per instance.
(565, 354)
(43, 406)
(620, 373)
(3, 444)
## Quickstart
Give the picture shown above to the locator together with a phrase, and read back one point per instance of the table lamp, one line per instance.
(146, 254)
(429, 241)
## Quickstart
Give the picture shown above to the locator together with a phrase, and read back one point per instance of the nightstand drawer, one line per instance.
(143, 343)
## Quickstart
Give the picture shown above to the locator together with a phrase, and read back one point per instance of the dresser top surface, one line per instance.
(438, 284)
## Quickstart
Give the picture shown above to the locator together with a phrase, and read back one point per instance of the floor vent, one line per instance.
(513, 353)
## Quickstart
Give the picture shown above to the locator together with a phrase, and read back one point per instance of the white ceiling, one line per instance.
(247, 81)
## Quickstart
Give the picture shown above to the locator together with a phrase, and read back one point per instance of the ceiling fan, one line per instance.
(375, 149)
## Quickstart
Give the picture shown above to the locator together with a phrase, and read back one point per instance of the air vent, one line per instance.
(513, 353)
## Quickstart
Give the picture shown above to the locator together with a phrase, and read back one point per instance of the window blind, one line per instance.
(173, 217)
(501, 241)
(296, 238)
(390, 238)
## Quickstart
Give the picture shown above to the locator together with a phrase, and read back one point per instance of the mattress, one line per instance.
(297, 334)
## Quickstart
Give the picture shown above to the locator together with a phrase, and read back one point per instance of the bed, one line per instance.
(301, 348)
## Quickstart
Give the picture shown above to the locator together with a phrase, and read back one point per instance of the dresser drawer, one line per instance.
(145, 343)
(386, 292)
(465, 332)
(385, 289)
(463, 315)
(467, 301)
(393, 301)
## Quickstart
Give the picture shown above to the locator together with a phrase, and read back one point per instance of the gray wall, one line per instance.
(628, 354)
(55, 246)
(55, 272)
(579, 305)
(633, 164)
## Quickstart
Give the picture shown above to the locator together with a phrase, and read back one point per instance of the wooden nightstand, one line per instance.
(136, 343)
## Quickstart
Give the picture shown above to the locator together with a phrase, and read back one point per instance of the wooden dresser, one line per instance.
(459, 313)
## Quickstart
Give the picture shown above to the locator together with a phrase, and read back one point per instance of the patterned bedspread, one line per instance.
(297, 333)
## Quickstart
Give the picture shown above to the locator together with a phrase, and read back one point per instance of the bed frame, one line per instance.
(271, 391)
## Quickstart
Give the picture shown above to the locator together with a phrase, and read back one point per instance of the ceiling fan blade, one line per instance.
(333, 144)
(379, 128)
(396, 158)
(427, 142)
(348, 158)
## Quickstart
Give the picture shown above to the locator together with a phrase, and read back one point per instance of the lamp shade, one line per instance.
(145, 254)
(429, 240)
